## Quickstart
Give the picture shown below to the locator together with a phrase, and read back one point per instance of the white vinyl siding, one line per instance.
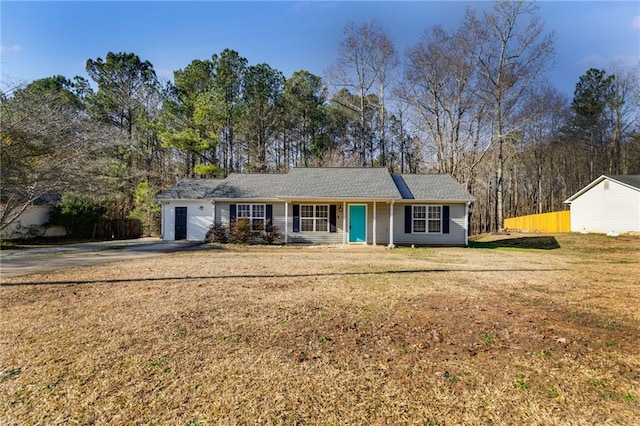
(602, 210)
(199, 219)
(204, 218)
(455, 237)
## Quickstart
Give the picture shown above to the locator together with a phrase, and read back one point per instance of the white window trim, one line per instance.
(426, 219)
(251, 217)
(315, 218)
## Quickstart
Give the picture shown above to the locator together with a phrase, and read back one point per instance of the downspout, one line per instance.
(391, 208)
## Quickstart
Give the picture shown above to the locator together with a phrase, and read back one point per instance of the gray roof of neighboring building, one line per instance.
(250, 185)
(431, 187)
(340, 182)
(189, 189)
(47, 200)
(631, 180)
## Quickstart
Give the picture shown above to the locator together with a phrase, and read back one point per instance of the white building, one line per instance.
(609, 204)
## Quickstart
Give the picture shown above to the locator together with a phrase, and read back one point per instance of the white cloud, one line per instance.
(599, 61)
(594, 61)
(12, 48)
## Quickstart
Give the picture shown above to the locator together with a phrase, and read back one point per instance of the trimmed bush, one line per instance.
(240, 231)
(217, 233)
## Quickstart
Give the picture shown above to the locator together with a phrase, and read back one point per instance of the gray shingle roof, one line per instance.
(631, 180)
(340, 182)
(431, 188)
(319, 183)
(249, 185)
(189, 189)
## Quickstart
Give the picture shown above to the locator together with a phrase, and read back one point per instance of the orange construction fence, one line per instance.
(544, 222)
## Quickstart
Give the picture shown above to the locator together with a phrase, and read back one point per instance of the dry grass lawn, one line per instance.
(515, 331)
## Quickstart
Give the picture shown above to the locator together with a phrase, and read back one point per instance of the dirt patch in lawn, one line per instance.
(514, 332)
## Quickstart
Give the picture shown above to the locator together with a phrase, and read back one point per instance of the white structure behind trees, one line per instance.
(609, 204)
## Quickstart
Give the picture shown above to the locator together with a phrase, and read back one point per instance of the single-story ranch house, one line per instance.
(608, 205)
(324, 205)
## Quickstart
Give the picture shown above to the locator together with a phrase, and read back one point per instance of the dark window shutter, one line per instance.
(407, 219)
(296, 218)
(232, 213)
(445, 219)
(269, 218)
(332, 218)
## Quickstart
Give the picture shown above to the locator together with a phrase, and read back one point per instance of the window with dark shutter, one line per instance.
(445, 219)
(256, 214)
(332, 218)
(296, 218)
(407, 219)
(232, 213)
(269, 217)
(425, 219)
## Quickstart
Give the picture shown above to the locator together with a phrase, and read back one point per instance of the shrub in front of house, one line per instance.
(217, 233)
(271, 235)
(241, 232)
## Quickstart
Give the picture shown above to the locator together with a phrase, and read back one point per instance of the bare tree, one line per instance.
(366, 56)
(511, 52)
(625, 113)
(543, 115)
(441, 85)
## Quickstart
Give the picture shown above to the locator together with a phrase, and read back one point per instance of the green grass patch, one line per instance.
(488, 338)
(520, 382)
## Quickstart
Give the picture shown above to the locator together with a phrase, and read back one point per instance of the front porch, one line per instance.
(346, 222)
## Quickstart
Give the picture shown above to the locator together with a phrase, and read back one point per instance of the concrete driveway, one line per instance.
(14, 263)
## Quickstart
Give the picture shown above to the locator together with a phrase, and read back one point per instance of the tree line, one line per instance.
(472, 102)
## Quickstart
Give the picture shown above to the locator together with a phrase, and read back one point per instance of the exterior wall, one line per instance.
(198, 219)
(603, 210)
(34, 216)
(223, 214)
(382, 223)
(457, 228)
(198, 222)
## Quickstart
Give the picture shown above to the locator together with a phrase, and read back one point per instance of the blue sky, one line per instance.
(41, 39)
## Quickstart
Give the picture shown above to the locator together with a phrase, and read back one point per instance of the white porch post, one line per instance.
(374, 223)
(286, 222)
(344, 223)
(391, 245)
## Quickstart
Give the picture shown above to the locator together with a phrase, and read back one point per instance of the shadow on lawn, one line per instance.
(539, 243)
(257, 276)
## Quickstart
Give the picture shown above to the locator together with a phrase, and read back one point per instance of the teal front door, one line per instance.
(357, 224)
